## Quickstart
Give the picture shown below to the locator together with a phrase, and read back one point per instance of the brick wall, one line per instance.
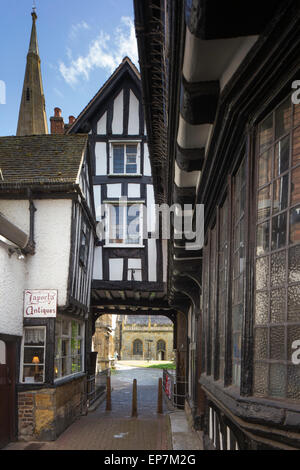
(44, 414)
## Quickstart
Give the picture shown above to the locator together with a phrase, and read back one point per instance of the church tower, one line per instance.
(32, 115)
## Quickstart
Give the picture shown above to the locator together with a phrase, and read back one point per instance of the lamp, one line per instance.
(36, 362)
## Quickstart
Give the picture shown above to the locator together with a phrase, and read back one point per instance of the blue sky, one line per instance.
(80, 43)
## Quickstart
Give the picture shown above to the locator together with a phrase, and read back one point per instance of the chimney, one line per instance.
(72, 119)
(57, 122)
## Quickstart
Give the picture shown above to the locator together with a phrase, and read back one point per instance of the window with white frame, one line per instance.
(33, 355)
(125, 159)
(124, 224)
(69, 347)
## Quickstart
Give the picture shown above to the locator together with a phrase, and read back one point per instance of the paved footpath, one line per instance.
(116, 430)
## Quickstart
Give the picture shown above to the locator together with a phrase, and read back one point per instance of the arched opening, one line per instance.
(161, 350)
(137, 347)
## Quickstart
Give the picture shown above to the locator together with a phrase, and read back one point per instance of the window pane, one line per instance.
(266, 133)
(295, 225)
(295, 188)
(278, 268)
(283, 118)
(294, 264)
(279, 231)
(262, 308)
(265, 167)
(133, 224)
(261, 380)
(277, 343)
(282, 156)
(294, 304)
(278, 299)
(296, 144)
(278, 380)
(33, 355)
(264, 203)
(33, 374)
(280, 194)
(261, 343)
(131, 169)
(262, 273)
(262, 238)
(293, 383)
(118, 158)
(34, 336)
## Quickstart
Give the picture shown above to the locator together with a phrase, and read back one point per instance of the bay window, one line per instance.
(69, 347)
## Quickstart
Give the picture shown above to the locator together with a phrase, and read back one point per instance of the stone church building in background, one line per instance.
(144, 337)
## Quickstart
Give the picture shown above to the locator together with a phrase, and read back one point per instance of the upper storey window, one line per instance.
(125, 159)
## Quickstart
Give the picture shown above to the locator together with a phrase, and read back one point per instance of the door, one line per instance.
(6, 394)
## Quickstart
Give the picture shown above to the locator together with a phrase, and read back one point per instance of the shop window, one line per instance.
(69, 347)
(33, 355)
(277, 264)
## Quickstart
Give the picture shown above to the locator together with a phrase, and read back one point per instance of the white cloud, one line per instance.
(105, 52)
(76, 28)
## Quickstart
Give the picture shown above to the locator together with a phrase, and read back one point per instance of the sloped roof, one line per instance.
(143, 320)
(41, 159)
(125, 65)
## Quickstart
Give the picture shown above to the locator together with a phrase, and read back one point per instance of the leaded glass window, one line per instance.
(277, 264)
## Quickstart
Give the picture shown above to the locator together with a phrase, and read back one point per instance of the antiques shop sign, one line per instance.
(40, 303)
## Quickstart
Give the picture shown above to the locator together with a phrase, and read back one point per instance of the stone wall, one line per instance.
(144, 333)
(44, 414)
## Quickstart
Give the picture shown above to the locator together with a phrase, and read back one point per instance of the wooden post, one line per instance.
(134, 399)
(160, 397)
(108, 394)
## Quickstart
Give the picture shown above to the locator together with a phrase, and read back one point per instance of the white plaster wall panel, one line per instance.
(165, 259)
(114, 190)
(152, 257)
(49, 267)
(2, 352)
(116, 269)
(134, 190)
(151, 222)
(12, 286)
(101, 125)
(147, 165)
(101, 158)
(16, 212)
(134, 118)
(136, 264)
(97, 200)
(117, 123)
(98, 269)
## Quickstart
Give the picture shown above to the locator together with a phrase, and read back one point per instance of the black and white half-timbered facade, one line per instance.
(46, 192)
(223, 129)
(129, 263)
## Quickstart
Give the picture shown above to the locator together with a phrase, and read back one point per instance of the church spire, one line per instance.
(32, 115)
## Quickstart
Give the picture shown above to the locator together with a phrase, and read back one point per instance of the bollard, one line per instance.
(108, 394)
(160, 397)
(134, 399)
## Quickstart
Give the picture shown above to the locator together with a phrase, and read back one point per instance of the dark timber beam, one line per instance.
(199, 101)
(190, 159)
(212, 19)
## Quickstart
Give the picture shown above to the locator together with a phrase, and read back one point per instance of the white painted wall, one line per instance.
(101, 159)
(116, 269)
(98, 270)
(117, 123)
(134, 190)
(147, 166)
(133, 121)
(114, 190)
(101, 125)
(152, 257)
(47, 269)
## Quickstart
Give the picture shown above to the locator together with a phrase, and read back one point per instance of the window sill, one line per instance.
(122, 245)
(127, 175)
